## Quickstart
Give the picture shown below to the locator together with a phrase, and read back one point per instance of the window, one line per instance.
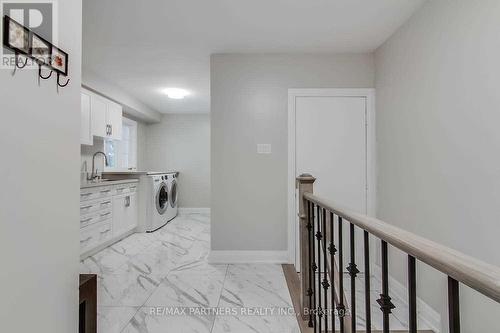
(122, 154)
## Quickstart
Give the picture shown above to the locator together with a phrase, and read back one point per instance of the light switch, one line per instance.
(263, 148)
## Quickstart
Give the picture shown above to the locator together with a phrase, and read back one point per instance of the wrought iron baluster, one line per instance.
(367, 283)
(453, 305)
(385, 300)
(310, 250)
(318, 239)
(314, 267)
(332, 251)
(412, 295)
(325, 283)
(353, 272)
(341, 306)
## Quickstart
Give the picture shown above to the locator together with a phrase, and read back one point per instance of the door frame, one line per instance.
(293, 94)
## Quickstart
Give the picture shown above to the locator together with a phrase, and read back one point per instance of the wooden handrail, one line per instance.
(478, 275)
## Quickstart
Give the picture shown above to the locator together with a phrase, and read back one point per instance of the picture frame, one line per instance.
(40, 49)
(59, 61)
(16, 37)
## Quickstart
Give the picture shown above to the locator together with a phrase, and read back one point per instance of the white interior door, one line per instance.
(331, 144)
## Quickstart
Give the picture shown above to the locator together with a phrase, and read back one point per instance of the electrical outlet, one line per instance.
(263, 148)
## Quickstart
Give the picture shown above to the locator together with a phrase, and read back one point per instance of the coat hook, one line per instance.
(40, 73)
(16, 66)
(59, 83)
(17, 62)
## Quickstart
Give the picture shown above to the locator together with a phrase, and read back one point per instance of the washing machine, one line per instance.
(153, 201)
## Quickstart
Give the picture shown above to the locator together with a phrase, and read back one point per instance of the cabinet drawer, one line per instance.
(121, 189)
(88, 238)
(94, 235)
(95, 193)
(99, 216)
(125, 188)
(93, 206)
(104, 232)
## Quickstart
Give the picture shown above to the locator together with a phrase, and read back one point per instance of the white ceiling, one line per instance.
(144, 46)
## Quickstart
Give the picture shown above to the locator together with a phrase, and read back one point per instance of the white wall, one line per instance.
(249, 96)
(181, 142)
(87, 153)
(39, 200)
(438, 140)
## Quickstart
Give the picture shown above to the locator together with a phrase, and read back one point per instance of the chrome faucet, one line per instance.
(94, 173)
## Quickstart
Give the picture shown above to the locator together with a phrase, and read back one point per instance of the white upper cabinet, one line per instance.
(115, 121)
(99, 107)
(86, 136)
(101, 116)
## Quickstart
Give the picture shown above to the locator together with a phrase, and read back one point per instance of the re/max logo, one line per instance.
(37, 15)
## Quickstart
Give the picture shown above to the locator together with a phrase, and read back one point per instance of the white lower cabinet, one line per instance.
(124, 212)
(94, 235)
(106, 214)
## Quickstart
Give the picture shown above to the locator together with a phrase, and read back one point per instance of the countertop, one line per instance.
(138, 173)
(108, 183)
(131, 172)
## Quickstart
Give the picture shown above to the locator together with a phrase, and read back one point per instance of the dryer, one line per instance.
(173, 193)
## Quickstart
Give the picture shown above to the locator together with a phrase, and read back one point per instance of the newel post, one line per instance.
(305, 184)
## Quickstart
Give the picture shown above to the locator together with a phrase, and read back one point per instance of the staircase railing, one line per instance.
(322, 296)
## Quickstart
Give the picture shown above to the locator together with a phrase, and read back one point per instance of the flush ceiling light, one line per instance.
(175, 93)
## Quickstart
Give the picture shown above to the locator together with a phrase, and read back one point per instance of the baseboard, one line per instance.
(425, 312)
(188, 210)
(248, 257)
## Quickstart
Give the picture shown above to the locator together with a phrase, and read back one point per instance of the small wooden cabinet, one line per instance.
(88, 304)
(99, 117)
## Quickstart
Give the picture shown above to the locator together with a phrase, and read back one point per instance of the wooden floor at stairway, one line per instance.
(293, 282)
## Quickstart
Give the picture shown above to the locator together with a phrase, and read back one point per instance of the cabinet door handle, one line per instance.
(85, 240)
(86, 207)
(105, 203)
(111, 129)
(86, 220)
(105, 191)
(127, 201)
(105, 231)
(106, 214)
(85, 194)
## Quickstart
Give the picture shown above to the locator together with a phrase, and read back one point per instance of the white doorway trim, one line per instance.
(293, 94)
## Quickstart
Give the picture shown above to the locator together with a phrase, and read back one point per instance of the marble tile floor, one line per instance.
(161, 282)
